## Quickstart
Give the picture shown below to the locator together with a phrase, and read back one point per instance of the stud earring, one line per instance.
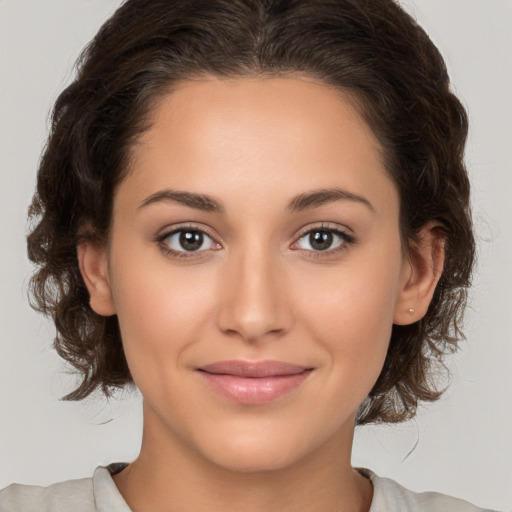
(411, 310)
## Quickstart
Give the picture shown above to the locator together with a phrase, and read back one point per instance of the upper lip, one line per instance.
(255, 369)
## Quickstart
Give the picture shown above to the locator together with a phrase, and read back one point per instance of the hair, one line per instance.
(369, 49)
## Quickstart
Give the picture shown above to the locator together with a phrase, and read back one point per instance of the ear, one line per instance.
(92, 261)
(420, 274)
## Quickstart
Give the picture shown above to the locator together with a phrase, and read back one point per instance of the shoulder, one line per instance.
(391, 496)
(82, 495)
(70, 495)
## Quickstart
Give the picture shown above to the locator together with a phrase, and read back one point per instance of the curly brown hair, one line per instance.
(370, 48)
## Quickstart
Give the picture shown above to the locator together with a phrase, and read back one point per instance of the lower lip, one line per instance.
(259, 390)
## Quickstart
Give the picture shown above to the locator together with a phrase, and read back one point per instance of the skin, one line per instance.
(256, 289)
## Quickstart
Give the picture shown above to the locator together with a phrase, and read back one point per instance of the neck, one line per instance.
(170, 476)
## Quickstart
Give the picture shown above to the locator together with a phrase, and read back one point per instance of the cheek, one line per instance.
(160, 312)
(351, 316)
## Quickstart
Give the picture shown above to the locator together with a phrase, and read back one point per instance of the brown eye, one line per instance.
(320, 240)
(324, 240)
(188, 240)
(191, 240)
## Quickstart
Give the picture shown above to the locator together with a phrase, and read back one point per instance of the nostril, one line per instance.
(251, 302)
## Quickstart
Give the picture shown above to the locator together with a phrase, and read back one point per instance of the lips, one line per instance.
(253, 382)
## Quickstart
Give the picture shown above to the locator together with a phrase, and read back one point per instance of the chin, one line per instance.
(252, 454)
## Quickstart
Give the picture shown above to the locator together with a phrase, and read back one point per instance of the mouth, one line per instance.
(257, 382)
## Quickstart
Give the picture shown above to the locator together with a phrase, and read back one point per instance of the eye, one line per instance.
(324, 239)
(187, 240)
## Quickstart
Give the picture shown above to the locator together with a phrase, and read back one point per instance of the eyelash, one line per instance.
(346, 240)
(168, 251)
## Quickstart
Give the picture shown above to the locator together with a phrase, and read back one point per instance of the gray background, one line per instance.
(463, 444)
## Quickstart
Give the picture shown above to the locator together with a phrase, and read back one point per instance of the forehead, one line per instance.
(259, 134)
(268, 112)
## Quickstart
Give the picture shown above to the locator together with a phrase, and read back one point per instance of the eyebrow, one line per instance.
(317, 198)
(198, 201)
(302, 202)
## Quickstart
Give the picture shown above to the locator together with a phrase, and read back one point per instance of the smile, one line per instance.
(254, 382)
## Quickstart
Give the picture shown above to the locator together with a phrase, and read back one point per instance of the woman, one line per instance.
(258, 212)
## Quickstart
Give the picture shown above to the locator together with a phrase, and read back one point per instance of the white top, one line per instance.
(100, 494)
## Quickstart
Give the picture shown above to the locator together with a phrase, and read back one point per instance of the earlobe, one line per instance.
(420, 275)
(92, 261)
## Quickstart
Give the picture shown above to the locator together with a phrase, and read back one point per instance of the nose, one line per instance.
(253, 301)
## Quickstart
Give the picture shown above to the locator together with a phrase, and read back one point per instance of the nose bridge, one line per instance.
(253, 302)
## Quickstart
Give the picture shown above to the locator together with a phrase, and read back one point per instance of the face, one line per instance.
(256, 268)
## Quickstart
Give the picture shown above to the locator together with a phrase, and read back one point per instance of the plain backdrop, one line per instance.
(461, 445)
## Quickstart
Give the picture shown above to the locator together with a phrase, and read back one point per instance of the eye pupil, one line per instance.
(191, 240)
(320, 240)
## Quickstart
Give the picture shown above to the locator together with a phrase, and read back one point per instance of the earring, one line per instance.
(411, 310)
